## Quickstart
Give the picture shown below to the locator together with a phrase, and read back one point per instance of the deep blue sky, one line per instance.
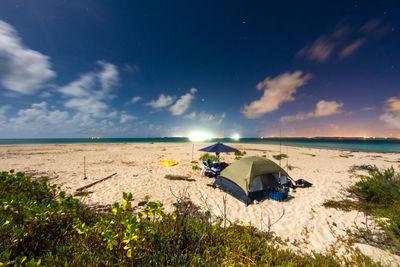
(72, 68)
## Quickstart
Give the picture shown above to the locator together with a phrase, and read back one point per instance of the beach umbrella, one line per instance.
(218, 148)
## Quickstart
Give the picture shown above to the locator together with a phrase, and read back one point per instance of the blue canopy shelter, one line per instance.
(218, 148)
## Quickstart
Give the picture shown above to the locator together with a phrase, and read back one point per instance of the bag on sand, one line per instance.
(303, 183)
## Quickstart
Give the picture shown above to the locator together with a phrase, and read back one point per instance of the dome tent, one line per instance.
(250, 175)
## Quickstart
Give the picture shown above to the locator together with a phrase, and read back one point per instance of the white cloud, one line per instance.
(190, 116)
(22, 69)
(208, 118)
(393, 104)
(109, 76)
(38, 118)
(125, 118)
(135, 99)
(392, 119)
(328, 108)
(351, 48)
(322, 109)
(87, 94)
(392, 113)
(276, 91)
(81, 87)
(161, 102)
(183, 103)
(87, 105)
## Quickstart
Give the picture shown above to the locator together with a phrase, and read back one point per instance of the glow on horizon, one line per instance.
(235, 137)
(199, 136)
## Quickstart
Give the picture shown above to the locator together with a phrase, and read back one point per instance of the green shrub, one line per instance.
(196, 168)
(207, 156)
(279, 156)
(39, 225)
(240, 153)
(377, 194)
(379, 188)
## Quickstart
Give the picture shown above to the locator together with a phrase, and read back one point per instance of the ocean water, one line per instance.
(356, 144)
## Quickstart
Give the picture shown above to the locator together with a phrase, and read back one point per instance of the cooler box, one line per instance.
(279, 196)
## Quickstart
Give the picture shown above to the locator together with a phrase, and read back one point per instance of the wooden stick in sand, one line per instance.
(84, 168)
(92, 184)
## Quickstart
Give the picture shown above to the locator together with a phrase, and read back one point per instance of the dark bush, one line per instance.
(41, 225)
(207, 156)
(280, 156)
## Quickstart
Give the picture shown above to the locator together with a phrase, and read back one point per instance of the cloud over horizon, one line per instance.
(161, 102)
(322, 109)
(22, 70)
(183, 103)
(391, 117)
(88, 93)
(276, 91)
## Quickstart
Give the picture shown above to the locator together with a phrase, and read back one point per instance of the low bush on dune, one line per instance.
(240, 153)
(280, 156)
(38, 225)
(376, 194)
(207, 156)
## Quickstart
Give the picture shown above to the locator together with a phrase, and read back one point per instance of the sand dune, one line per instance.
(301, 218)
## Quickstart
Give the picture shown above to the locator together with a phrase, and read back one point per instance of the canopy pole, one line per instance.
(280, 147)
(84, 168)
(287, 159)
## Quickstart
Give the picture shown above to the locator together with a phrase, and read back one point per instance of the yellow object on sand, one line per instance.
(169, 163)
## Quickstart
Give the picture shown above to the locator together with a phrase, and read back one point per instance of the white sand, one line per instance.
(139, 171)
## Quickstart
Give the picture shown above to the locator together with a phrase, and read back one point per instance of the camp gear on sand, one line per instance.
(218, 148)
(212, 169)
(279, 194)
(169, 163)
(303, 183)
(250, 175)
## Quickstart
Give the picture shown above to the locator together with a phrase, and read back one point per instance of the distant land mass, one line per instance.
(380, 144)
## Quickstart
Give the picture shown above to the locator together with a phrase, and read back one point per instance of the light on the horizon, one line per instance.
(235, 137)
(199, 136)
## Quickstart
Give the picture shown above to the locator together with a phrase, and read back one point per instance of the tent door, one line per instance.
(262, 182)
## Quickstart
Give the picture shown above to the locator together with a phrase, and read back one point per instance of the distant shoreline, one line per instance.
(341, 144)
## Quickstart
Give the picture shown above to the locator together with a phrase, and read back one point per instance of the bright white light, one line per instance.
(199, 136)
(235, 137)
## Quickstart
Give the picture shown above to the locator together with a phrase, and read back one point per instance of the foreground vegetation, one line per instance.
(207, 156)
(41, 225)
(378, 195)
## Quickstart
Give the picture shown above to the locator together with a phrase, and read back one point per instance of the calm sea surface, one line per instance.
(377, 145)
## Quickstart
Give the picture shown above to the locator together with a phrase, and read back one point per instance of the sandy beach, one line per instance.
(138, 170)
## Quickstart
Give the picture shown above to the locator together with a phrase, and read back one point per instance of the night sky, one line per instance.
(170, 68)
